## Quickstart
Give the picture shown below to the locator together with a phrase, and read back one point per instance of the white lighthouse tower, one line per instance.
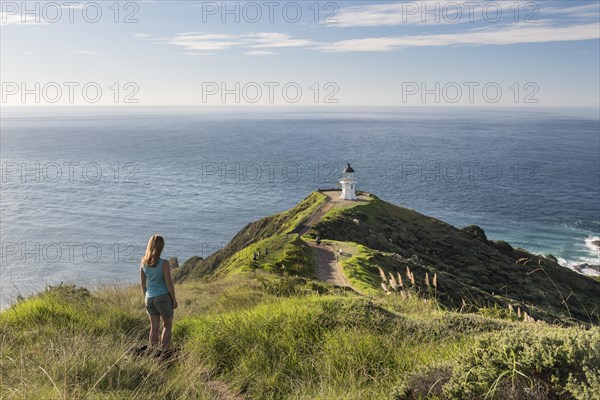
(348, 184)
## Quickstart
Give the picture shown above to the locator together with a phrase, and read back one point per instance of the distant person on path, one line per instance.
(318, 241)
(157, 285)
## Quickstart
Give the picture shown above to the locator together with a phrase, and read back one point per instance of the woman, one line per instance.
(157, 285)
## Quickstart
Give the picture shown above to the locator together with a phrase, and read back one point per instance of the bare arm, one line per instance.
(143, 280)
(169, 282)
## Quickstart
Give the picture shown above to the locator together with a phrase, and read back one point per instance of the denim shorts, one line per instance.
(160, 305)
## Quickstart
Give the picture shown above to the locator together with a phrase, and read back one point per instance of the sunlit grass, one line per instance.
(239, 338)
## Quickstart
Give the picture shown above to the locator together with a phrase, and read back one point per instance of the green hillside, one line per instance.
(469, 267)
(253, 233)
(471, 271)
(456, 320)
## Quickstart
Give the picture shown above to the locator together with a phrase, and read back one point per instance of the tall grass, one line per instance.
(346, 347)
(70, 343)
(239, 339)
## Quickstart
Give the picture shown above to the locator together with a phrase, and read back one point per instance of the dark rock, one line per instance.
(476, 232)
(503, 247)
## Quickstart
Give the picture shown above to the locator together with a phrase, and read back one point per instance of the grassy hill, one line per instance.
(253, 233)
(469, 267)
(471, 271)
(266, 329)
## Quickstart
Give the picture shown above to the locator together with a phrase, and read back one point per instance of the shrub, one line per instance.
(535, 362)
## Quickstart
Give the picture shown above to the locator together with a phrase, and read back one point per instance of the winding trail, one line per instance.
(316, 217)
(328, 268)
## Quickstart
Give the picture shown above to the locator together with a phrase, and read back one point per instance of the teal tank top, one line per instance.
(155, 280)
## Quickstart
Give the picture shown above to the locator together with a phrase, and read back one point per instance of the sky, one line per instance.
(303, 53)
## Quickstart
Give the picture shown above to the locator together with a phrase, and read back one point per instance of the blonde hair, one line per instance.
(153, 250)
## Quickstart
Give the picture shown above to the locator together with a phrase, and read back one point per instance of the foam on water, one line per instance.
(593, 243)
(593, 258)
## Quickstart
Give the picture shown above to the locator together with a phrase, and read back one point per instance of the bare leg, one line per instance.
(154, 325)
(166, 333)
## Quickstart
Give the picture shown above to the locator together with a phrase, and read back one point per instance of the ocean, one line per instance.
(83, 189)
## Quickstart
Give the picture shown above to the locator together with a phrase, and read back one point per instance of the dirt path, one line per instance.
(316, 217)
(328, 268)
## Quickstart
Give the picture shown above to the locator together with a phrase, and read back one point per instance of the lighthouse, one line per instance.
(348, 184)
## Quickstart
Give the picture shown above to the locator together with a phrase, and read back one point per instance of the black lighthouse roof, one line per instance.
(348, 169)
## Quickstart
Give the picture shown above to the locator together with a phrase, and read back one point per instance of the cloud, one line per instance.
(543, 31)
(15, 15)
(439, 12)
(511, 34)
(15, 19)
(405, 13)
(200, 42)
(204, 42)
(581, 11)
(452, 12)
(188, 53)
(259, 53)
(274, 39)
